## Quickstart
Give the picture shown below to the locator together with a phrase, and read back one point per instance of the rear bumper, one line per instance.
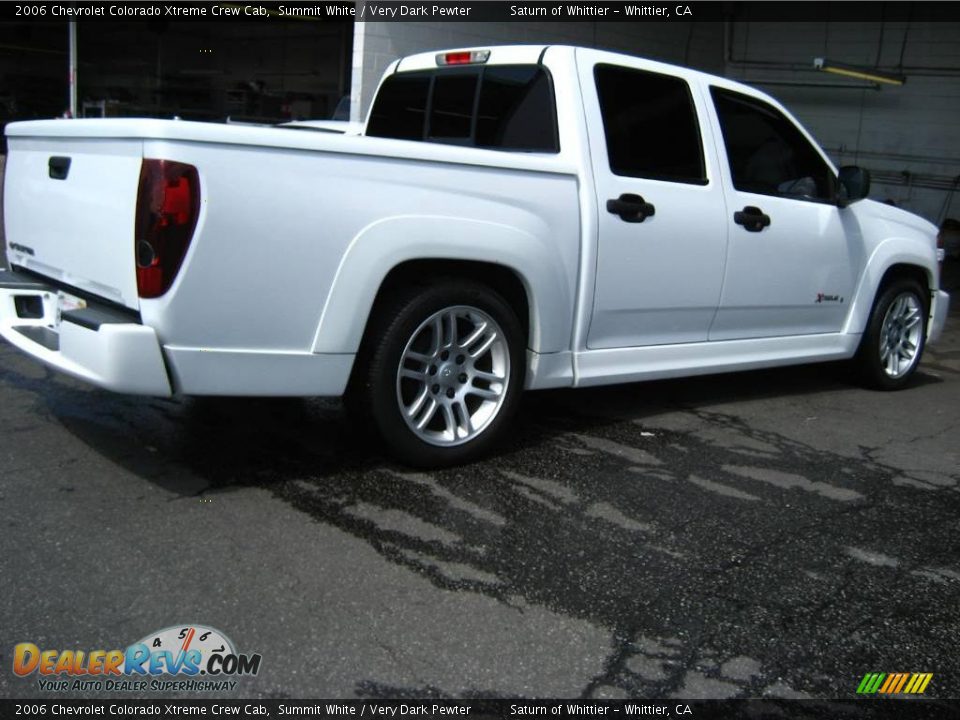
(940, 304)
(100, 345)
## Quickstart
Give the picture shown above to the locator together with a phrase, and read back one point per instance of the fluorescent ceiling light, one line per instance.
(855, 71)
(820, 85)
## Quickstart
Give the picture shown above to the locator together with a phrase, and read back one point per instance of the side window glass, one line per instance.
(767, 153)
(650, 124)
(401, 108)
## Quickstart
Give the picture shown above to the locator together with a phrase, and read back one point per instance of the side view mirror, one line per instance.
(854, 184)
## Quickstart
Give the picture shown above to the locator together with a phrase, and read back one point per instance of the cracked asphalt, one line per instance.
(777, 533)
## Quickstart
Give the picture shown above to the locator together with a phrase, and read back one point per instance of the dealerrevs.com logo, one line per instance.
(178, 658)
(894, 683)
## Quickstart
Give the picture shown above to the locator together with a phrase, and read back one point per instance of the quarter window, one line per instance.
(768, 154)
(650, 125)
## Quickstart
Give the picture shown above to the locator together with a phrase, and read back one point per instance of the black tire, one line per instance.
(377, 391)
(868, 363)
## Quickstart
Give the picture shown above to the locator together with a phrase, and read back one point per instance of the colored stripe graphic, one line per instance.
(894, 683)
(903, 679)
(919, 685)
(892, 680)
(871, 683)
(914, 682)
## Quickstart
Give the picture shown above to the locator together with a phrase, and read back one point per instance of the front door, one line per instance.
(794, 255)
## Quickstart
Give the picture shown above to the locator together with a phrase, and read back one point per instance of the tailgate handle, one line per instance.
(59, 167)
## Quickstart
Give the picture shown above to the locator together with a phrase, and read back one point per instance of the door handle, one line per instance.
(631, 208)
(752, 218)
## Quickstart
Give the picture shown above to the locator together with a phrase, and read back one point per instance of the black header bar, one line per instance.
(480, 11)
(862, 709)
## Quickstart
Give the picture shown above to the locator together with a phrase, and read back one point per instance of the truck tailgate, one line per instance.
(69, 210)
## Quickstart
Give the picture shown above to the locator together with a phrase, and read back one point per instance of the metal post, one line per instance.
(73, 69)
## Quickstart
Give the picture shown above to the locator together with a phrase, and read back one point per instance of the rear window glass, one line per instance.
(401, 108)
(509, 107)
(451, 112)
(516, 109)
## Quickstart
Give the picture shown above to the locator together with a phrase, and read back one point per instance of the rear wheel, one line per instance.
(893, 343)
(441, 372)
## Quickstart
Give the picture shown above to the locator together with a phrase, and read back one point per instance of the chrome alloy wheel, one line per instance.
(900, 335)
(453, 376)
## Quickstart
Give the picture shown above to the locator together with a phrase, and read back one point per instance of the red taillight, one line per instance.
(168, 202)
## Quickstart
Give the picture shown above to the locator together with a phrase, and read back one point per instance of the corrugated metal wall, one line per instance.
(907, 135)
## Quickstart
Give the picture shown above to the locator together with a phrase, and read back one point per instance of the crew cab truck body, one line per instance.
(512, 217)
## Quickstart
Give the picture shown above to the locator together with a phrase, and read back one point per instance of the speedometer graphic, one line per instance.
(187, 650)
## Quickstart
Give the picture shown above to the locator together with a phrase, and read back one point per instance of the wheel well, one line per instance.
(497, 277)
(902, 270)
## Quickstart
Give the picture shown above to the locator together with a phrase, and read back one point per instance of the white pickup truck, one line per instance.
(512, 217)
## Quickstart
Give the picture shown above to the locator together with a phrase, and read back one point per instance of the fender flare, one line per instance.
(386, 243)
(890, 252)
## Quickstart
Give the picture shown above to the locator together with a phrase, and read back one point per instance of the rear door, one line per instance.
(662, 230)
(69, 209)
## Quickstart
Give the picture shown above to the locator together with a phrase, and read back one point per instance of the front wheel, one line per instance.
(442, 372)
(893, 343)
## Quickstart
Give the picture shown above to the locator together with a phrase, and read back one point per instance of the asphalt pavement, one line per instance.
(777, 533)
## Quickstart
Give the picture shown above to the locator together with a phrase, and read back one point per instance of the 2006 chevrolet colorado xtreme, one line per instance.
(512, 217)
